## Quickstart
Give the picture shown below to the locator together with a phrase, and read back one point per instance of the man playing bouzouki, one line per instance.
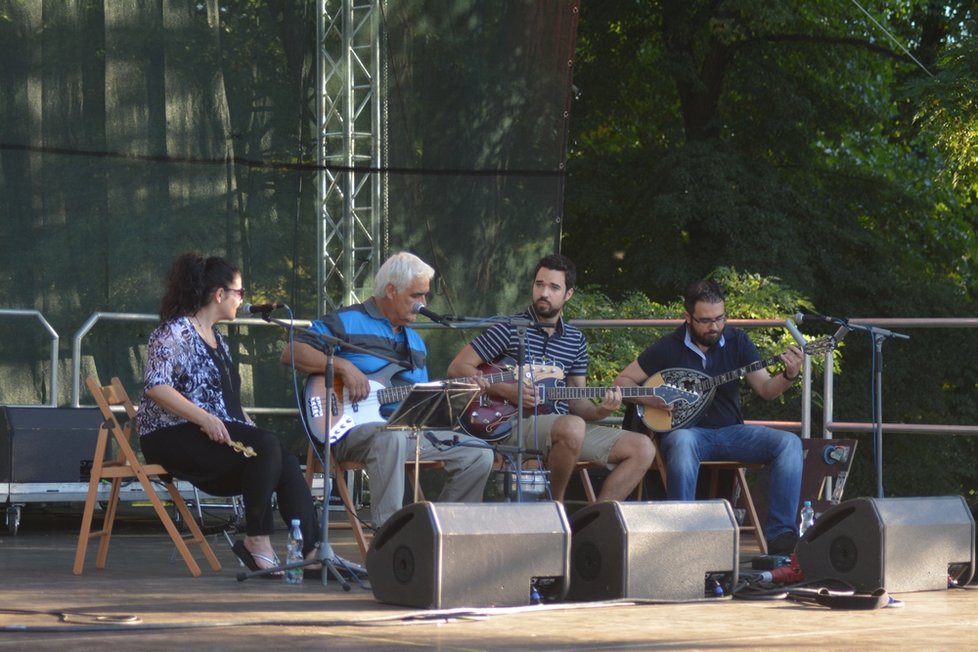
(562, 435)
(719, 432)
(381, 324)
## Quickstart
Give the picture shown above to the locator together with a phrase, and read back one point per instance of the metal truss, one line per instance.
(351, 191)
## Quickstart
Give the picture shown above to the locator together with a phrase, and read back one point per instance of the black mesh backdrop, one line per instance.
(131, 132)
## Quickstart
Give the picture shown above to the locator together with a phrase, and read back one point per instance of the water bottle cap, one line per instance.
(808, 503)
(295, 522)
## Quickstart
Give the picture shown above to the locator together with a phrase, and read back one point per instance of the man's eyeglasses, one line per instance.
(238, 291)
(706, 322)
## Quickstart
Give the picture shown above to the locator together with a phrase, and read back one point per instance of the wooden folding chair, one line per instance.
(583, 469)
(339, 471)
(714, 468)
(126, 465)
(583, 472)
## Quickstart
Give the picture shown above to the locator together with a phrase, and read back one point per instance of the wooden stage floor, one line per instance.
(145, 599)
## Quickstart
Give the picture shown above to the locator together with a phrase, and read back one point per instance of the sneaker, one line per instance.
(783, 544)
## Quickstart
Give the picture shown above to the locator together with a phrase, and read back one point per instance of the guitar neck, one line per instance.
(737, 374)
(397, 393)
(570, 393)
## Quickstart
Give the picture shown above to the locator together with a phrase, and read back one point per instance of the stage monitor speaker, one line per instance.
(658, 550)
(45, 444)
(447, 555)
(899, 544)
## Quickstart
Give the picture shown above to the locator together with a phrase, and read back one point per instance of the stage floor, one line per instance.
(169, 609)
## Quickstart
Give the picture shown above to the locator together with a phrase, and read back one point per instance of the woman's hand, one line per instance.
(215, 429)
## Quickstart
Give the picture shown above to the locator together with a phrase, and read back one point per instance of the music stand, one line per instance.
(436, 405)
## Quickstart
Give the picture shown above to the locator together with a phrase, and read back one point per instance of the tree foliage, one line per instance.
(815, 143)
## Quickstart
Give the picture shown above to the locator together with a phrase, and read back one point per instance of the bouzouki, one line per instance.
(384, 391)
(703, 387)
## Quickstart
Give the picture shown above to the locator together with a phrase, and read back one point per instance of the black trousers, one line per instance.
(189, 454)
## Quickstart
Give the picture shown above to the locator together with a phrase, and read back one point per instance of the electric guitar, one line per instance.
(347, 414)
(704, 387)
(491, 419)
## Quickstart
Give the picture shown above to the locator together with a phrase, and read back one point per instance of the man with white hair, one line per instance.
(380, 324)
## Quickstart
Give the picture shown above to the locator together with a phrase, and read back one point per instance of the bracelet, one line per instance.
(790, 380)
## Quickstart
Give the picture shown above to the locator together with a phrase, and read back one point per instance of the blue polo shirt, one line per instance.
(365, 326)
(734, 350)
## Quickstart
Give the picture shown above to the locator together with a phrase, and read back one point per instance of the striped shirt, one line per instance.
(566, 348)
(365, 326)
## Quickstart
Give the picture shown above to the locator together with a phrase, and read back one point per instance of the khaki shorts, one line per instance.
(598, 439)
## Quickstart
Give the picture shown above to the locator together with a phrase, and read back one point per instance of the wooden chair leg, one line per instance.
(108, 522)
(751, 510)
(351, 513)
(168, 523)
(312, 465)
(752, 522)
(89, 512)
(586, 482)
(196, 535)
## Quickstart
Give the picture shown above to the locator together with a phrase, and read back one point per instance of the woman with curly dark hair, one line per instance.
(190, 418)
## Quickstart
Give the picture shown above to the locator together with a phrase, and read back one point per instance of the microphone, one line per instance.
(254, 309)
(814, 317)
(420, 309)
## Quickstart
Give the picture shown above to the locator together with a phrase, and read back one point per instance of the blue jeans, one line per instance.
(685, 448)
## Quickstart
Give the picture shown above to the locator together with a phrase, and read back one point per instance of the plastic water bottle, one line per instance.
(294, 554)
(807, 518)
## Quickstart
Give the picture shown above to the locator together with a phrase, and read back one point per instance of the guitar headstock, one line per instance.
(534, 373)
(821, 345)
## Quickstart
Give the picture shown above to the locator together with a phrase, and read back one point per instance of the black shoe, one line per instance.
(783, 544)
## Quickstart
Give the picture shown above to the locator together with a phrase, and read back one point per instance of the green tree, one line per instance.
(780, 139)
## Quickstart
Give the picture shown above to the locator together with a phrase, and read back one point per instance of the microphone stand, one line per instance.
(878, 335)
(521, 326)
(325, 555)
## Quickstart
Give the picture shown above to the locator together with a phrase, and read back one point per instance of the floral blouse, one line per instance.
(179, 357)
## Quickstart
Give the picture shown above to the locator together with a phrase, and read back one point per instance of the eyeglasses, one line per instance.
(706, 322)
(238, 291)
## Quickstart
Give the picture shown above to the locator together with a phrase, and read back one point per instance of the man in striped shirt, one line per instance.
(560, 429)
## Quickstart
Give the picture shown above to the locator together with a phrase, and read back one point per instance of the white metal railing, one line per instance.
(96, 317)
(830, 426)
(85, 328)
(13, 312)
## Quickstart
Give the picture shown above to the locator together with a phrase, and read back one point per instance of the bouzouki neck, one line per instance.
(737, 374)
(821, 345)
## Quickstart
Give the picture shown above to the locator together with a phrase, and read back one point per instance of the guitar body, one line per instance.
(490, 418)
(346, 414)
(683, 412)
